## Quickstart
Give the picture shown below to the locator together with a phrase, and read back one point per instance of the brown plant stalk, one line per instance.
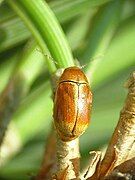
(9, 100)
(126, 171)
(48, 166)
(123, 137)
(67, 159)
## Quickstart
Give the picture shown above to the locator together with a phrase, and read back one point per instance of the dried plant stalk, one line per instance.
(67, 159)
(124, 134)
(125, 171)
(9, 100)
(94, 164)
(48, 166)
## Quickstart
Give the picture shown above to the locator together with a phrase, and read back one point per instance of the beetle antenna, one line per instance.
(92, 60)
(47, 56)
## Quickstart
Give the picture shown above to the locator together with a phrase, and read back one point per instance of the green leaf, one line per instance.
(46, 29)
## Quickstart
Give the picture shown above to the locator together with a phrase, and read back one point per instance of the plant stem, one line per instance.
(124, 135)
(68, 159)
(9, 101)
(48, 166)
(126, 170)
(43, 24)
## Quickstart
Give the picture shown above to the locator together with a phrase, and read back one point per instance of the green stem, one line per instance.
(34, 31)
(46, 29)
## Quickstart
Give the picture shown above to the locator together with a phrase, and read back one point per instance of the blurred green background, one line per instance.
(100, 34)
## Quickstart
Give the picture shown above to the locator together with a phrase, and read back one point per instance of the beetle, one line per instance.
(72, 104)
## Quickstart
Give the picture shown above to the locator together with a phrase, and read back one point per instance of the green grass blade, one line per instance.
(43, 21)
(102, 30)
(120, 55)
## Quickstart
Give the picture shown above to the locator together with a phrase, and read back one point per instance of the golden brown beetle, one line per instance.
(72, 104)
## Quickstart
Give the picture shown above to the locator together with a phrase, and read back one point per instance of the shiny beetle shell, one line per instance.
(72, 104)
